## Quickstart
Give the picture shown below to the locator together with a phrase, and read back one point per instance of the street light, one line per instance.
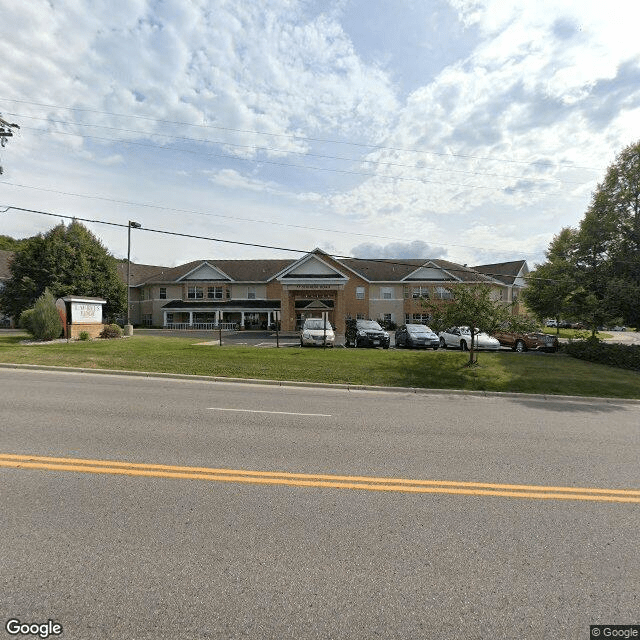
(134, 225)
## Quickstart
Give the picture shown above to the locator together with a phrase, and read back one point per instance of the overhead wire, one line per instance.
(292, 136)
(395, 262)
(235, 218)
(258, 148)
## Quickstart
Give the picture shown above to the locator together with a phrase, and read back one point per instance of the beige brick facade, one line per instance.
(251, 293)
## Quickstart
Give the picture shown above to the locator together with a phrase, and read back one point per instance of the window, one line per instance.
(169, 318)
(420, 292)
(359, 293)
(443, 294)
(141, 294)
(360, 316)
(387, 317)
(214, 292)
(387, 293)
(407, 318)
(163, 293)
(195, 293)
(228, 293)
(147, 319)
(251, 293)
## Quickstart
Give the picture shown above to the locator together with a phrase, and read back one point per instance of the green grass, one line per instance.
(507, 371)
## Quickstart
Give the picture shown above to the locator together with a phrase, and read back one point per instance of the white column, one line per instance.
(268, 319)
(190, 318)
(164, 315)
(242, 320)
(218, 316)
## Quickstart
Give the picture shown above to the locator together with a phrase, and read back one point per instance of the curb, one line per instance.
(319, 385)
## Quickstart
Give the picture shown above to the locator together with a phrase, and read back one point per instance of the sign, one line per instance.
(86, 312)
(304, 287)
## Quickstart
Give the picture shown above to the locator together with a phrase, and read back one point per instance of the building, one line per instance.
(257, 293)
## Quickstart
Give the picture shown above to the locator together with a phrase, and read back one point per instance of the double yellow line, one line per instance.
(319, 480)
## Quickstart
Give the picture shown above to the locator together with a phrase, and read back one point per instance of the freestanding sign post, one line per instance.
(81, 314)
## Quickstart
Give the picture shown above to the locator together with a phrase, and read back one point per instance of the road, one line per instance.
(296, 523)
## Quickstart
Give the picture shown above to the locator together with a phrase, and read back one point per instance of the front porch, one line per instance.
(221, 316)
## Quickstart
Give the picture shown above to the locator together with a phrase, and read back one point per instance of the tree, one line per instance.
(68, 261)
(592, 273)
(550, 284)
(45, 321)
(474, 306)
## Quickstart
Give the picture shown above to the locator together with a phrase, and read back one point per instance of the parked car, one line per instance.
(523, 341)
(551, 323)
(460, 338)
(366, 333)
(314, 332)
(416, 336)
(618, 328)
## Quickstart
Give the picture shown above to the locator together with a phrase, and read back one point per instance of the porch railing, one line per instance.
(202, 326)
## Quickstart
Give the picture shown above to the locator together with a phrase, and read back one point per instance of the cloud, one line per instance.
(414, 249)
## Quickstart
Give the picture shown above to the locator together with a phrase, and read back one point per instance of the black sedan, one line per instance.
(416, 336)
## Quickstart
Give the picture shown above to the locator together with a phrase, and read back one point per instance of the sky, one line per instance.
(469, 130)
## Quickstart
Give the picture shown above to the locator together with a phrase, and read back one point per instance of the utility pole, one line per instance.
(128, 330)
(6, 131)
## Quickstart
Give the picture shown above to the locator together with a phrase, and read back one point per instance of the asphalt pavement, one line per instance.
(274, 513)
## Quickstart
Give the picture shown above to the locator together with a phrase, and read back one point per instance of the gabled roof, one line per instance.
(506, 272)
(312, 265)
(206, 271)
(394, 270)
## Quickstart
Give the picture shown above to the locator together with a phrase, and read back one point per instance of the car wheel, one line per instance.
(435, 347)
(463, 345)
(385, 346)
(443, 344)
(521, 347)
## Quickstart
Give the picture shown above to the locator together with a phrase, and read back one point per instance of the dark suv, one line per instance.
(365, 333)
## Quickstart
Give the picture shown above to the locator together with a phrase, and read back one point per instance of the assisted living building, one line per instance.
(254, 294)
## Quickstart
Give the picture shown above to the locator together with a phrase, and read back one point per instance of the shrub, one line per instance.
(84, 336)
(26, 320)
(615, 355)
(45, 320)
(111, 331)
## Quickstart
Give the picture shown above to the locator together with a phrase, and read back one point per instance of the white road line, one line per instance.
(282, 413)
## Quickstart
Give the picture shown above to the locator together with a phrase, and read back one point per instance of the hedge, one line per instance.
(615, 355)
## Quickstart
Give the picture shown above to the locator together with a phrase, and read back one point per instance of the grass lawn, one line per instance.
(506, 371)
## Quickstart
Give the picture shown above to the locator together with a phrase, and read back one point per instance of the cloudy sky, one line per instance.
(472, 130)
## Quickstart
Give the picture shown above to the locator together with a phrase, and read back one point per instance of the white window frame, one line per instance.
(195, 293)
(251, 293)
(386, 293)
(360, 292)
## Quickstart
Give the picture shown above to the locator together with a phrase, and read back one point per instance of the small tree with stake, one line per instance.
(474, 306)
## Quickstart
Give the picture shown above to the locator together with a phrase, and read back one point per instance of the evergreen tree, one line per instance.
(68, 261)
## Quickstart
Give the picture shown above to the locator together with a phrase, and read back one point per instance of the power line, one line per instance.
(266, 150)
(293, 136)
(388, 261)
(235, 218)
(295, 166)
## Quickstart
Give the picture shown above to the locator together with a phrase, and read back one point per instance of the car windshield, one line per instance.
(317, 323)
(369, 324)
(418, 328)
